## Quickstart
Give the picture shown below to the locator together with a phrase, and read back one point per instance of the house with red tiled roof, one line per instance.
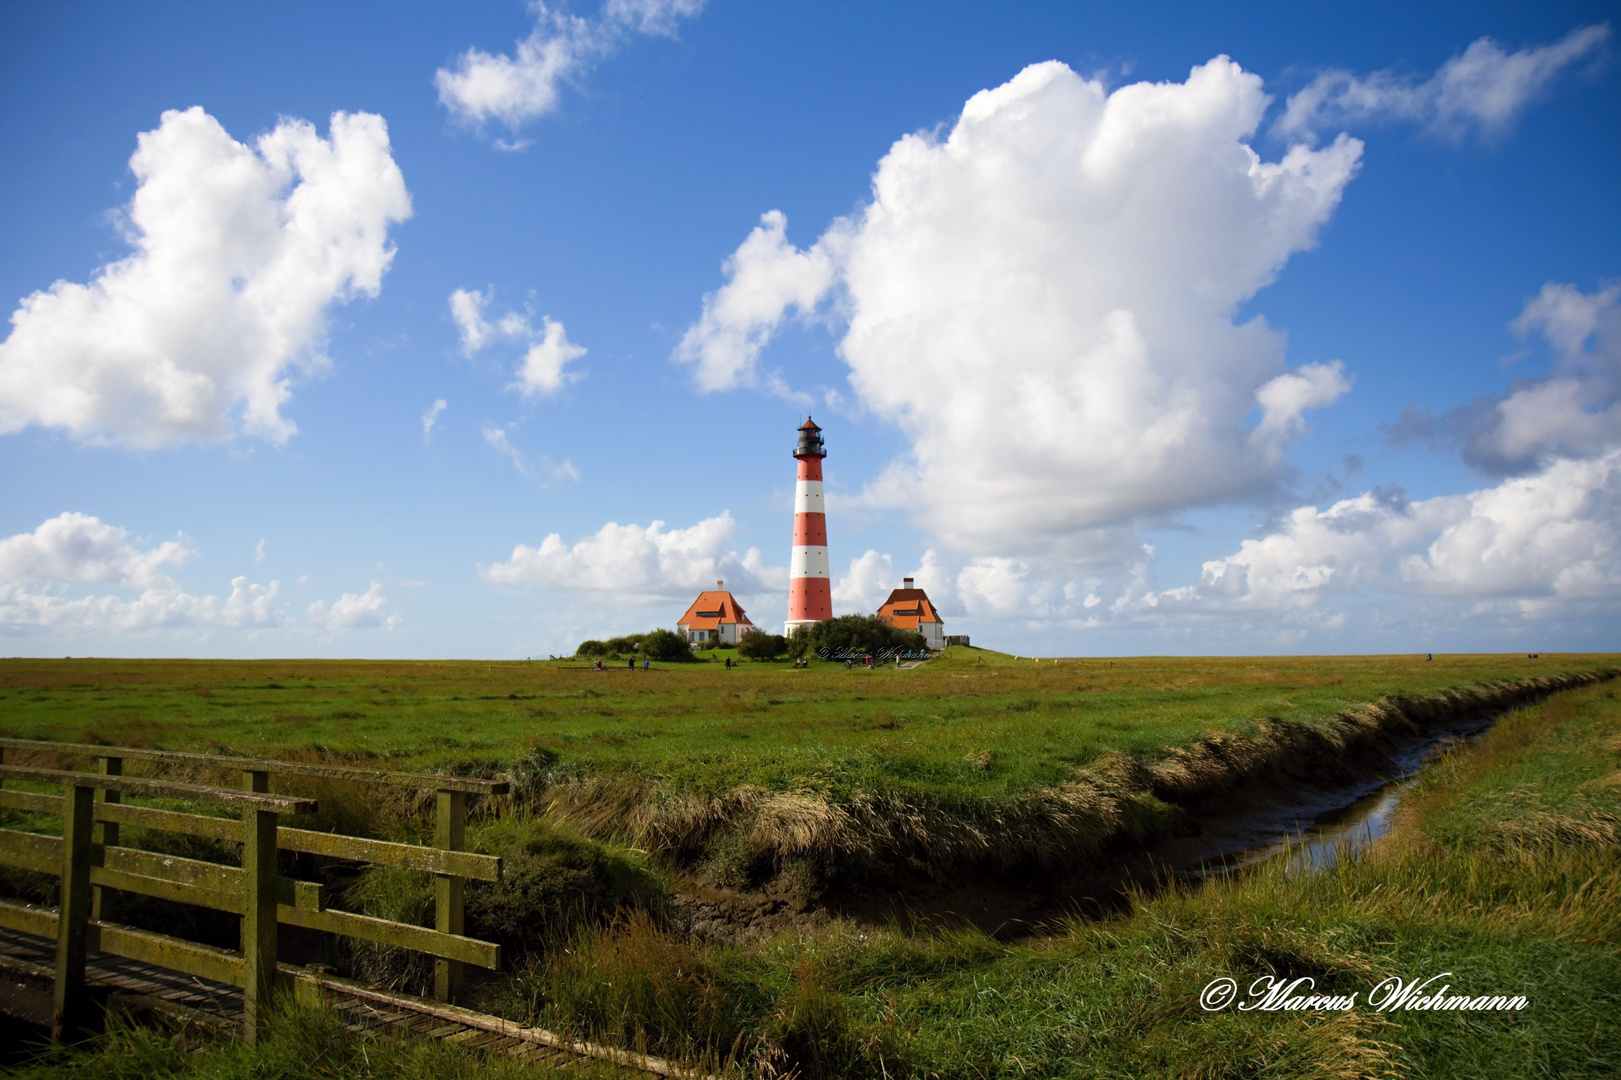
(714, 617)
(909, 608)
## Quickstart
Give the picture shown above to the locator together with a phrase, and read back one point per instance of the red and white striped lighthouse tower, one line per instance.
(810, 590)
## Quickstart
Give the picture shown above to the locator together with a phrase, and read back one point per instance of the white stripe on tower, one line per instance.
(808, 497)
(808, 562)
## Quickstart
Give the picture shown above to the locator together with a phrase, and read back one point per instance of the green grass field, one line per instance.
(1504, 869)
(971, 722)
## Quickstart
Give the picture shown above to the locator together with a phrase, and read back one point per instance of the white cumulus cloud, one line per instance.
(765, 277)
(1574, 411)
(355, 611)
(542, 370)
(80, 547)
(1483, 89)
(1533, 542)
(865, 585)
(239, 252)
(1044, 301)
(549, 352)
(872, 576)
(519, 88)
(1577, 409)
(997, 587)
(1285, 399)
(39, 568)
(643, 564)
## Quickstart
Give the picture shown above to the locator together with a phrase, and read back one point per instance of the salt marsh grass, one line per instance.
(1503, 867)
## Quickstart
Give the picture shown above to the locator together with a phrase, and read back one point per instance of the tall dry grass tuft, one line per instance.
(636, 983)
(810, 1034)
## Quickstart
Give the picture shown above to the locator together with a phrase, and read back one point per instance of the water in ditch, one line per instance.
(1318, 839)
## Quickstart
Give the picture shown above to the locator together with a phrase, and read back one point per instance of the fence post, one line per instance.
(450, 833)
(258, 918)
(68, 999)
(258, 909)
(105, 834)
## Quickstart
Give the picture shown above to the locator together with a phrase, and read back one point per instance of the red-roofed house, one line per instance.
(910, 609)
(714, 617)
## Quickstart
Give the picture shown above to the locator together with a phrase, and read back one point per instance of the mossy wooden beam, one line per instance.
(27, 919)
(167, 877)
(431, 860)
(12, 799)
(176, 954)
(449, 891)
(31, 851)
(420, 939)
(105, 832)
(386, 853)
(69, 1006)
(284, 804)
(198, 873)
(305, 895)
(258, 918)
(149, 817)
(421, 781)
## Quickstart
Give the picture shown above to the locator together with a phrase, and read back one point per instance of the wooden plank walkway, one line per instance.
(26, 958)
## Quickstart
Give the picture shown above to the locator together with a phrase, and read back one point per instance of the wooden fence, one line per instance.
(89, 861)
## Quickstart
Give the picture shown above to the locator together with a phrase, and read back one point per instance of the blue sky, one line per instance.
(1131, 329)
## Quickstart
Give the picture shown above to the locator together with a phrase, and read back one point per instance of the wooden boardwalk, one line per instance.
(25, 990)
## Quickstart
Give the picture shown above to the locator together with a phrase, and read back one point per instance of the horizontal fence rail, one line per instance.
(88, 859)
(419, 781)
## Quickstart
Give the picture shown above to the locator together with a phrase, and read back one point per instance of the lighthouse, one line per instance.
(810, 590)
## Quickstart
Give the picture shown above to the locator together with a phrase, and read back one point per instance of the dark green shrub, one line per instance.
(625, 645)
(854, 635)
(552, 883)
(665, 645)
(759, 646)
(592, 648)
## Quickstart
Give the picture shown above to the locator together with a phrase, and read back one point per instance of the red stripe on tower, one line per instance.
(810, 591)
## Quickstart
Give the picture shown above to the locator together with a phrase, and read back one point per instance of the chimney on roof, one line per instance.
(906, 583)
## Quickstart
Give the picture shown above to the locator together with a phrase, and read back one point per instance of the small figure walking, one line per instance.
(632, 663)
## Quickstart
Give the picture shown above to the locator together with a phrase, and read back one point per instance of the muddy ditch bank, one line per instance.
(1213, 806)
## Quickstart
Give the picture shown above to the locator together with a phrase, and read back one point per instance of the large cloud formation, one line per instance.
(1545, 539)
(239, 252)
(36, 567)
(1481, 90)
(1044, 301)
(517, 89)
(1530, 545)
(642, 564)
(1573, 411)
